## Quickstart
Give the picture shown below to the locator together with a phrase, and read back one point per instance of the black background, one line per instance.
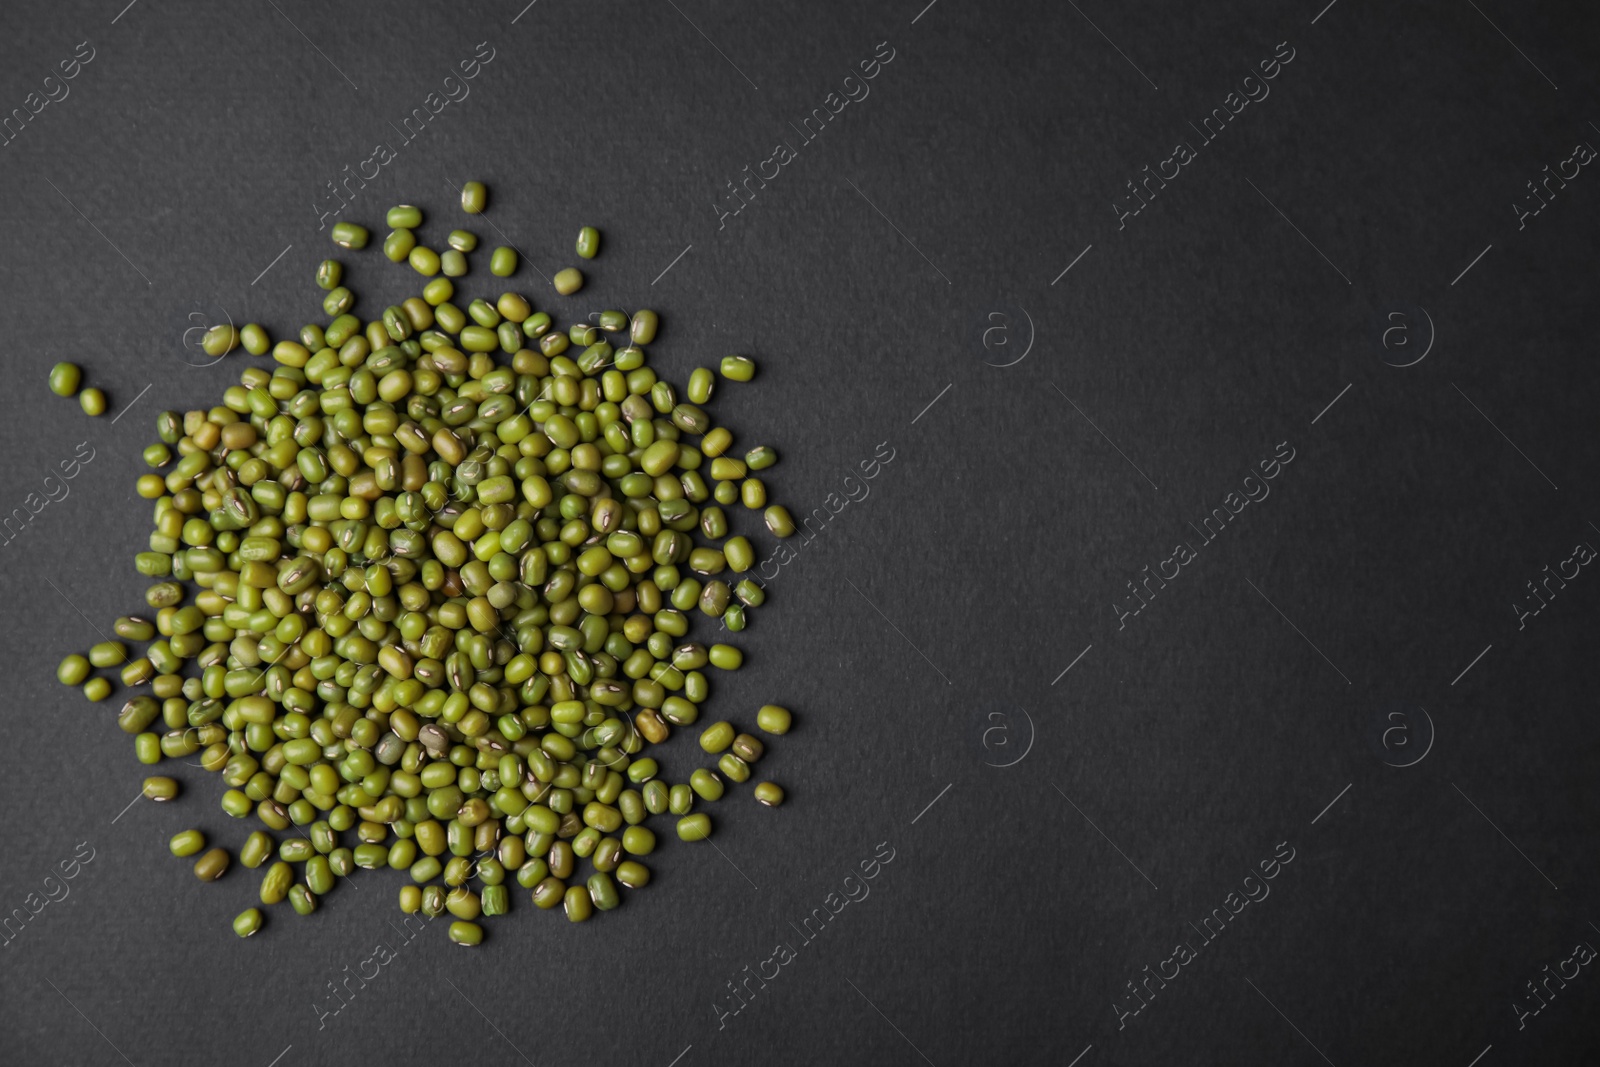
(922, 638)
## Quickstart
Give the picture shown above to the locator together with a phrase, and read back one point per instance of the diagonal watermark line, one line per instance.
(1079, 1056)
(524, 11)
(1298, 230)
(274, 263)
(924, 11)
(713, 44)
(1113, 44)
(682, 1054)
(1074, 263)
(1331, 803)
(886, 1019)
(732, 864)
(96, 1029)
(74, 607)
(1502, 433)
(1513, 44)
(280, 1056)
(137, 797)
(932, 402)
(899, 631)
(1502, 833)
(1474, 262)
(1323, 12)
(486, 1019)
(313, 44)
(1102, 433)
(1102, 833)
(674, 263)
(132, 402)
(1297, 630)
(1286, 1019)
(1473, 664)
(123, 12)
(1332, 402)
(932, 802)
(1071, 665)
(99, 231)
(899, 231)
(1480, 1055)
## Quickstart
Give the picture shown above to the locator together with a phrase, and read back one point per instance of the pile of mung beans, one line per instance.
(443, 564)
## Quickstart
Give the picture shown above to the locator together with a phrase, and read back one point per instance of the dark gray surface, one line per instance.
(1177, 753)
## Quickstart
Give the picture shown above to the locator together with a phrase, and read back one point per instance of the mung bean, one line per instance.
(212, 865)
(65, 378)
(588, 242)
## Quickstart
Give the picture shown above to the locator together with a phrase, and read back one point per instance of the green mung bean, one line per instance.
(603, 892)
(588, 245)
(247, 922)
(187, 843)
(65, 379)
(73, 670)
(702, 385)
(219, 340)
(717, 737)
(276, 882)
(503, 262)
(733, 768)
(778, 521)
(737, 368)
(748, 748)
(403, 217)
(253, 336)
(568, 281)
(302, 900)
(349, 235)
(398, 245)
(212, 865)
(694, 827)
(774, 719)
(706, 784)
(256, 850)
(579, 905)
(424, 260)
(632, 874)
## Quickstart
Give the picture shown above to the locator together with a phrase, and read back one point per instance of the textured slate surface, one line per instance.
(1340, 681)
